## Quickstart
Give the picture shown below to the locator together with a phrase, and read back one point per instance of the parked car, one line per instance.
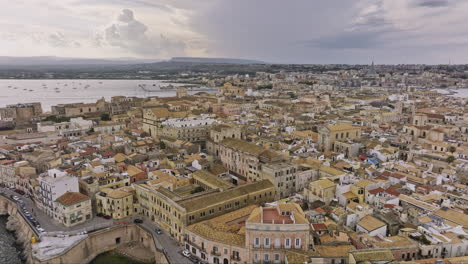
(186, 253)
(138, 221)
(40, 229)
(19, 192)
(193, 259)
(107, 217)
(16, 198)
(99, 215)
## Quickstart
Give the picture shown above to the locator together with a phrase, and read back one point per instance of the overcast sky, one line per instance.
(295, 31)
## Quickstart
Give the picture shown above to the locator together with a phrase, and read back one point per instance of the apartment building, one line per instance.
(284, 175)
(322, 190)
(73, 208)
(244, 160)
(116, 203)
(53, 184)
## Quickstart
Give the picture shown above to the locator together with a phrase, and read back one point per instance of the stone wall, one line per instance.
(18, 224)
(106, 240)
(86, 250)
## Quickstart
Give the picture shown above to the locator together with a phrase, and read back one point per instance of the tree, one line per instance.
(57, 119)
(451, 159)
(106, 117)
(292, 95)
(197, 190)
(162, 145)
(452, 149)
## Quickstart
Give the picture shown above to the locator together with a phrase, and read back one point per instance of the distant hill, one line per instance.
(52, 60)
(215, 60)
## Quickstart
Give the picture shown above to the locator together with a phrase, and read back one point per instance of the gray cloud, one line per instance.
(132, 35)
(299, 31)
(59, 40)
(433, 3)
(349, 40)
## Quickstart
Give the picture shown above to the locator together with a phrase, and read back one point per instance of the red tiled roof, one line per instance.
(319, 227)
(320, 210)
(392, 191)
(376, 190)
(70, 198)
(398, 176)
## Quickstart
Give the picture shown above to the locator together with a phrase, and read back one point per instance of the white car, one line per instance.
(40, 229)
(16, 198)
(186, 253)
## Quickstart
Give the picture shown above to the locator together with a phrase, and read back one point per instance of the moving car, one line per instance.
(158, 231)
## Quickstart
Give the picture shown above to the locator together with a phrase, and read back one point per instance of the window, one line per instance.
(277, 243)
(277, 257)
(225, 251)
(298, 243)
(257, 242)
(256, 257)
(267, 242)
(266, 257)
(287, 243)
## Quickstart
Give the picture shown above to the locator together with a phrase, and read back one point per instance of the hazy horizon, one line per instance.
(325, 32)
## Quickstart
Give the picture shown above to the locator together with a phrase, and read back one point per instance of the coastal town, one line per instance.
(339, 165)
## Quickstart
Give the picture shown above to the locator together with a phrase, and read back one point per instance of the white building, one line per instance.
(203, 120)
(372, 226)
(75, 127)
(54, 184)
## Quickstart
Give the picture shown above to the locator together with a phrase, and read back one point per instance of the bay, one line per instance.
(53, 91)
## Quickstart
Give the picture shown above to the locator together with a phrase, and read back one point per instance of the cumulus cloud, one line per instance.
(128, 33)
(300, 31)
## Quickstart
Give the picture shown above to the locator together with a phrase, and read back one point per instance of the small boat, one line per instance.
(74, 88)
(31, 90)
(57, 91)
(167, 87)
(9, 86)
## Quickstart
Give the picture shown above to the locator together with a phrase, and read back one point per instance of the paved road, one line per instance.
(163, 241)
(167, 243)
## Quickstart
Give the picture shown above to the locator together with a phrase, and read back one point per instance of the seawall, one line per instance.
(85, 250)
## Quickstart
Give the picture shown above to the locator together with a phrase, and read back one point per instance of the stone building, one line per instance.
(332, 133)
(174, 211)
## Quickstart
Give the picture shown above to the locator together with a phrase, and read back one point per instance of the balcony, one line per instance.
(235, 258)
(270, 247)
(215, 253)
